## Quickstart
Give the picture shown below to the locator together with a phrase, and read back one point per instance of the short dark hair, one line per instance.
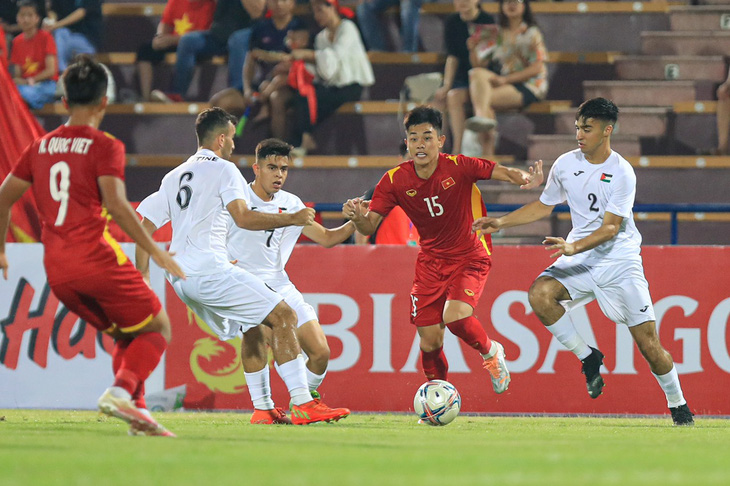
(598, 109)
(424, 114)
(212, 121)
(30, 3)
(272, 146)
(84, 81)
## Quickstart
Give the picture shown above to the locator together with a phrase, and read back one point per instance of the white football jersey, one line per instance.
(193, 196)
(265, 253)
(591, 190)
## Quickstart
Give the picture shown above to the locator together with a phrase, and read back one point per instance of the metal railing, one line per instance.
(673, 209)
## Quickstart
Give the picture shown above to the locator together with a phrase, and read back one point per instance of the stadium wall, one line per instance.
(362, 296)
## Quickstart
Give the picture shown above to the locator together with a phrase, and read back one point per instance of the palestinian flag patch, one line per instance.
(606, 177)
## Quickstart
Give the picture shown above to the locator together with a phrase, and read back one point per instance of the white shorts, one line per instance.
(230, 302)
(293, 297)
(620, 289)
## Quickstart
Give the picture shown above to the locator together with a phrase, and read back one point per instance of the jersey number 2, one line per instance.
(59, 189)
(594, 201)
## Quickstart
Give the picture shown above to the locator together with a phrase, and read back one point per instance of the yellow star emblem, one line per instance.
(30, 67)
(183, 25)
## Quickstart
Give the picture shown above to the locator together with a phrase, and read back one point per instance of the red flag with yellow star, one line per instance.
(18, 128)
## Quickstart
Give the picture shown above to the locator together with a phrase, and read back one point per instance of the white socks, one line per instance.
(313, 381)
(672, 389)
(492, 351)
(295, 377)
(565, 332)
(259, 387)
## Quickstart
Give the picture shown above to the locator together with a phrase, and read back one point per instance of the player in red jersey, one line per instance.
(76, 173)
(438, 193)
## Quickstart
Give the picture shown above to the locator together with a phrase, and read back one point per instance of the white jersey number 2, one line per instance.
(59, 189)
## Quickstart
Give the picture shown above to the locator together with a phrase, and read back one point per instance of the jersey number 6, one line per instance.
(185, 192)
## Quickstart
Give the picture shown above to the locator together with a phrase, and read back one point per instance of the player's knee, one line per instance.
(282, 315)
(431, 343)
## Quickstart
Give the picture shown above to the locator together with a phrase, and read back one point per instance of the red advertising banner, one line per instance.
(362, 298)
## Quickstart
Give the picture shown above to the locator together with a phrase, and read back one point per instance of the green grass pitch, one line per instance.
(40, 447)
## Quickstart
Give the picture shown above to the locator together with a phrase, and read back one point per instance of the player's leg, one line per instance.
(481, 93)
(624, 298)
(433, 359)
(551, 294)
(662, 366)
(314, 343)
(255, 360)
(282, 321)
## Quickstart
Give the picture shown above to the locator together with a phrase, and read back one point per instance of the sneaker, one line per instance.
(160, 431)
(682, 416)
(592, 369)
(266, 417)
(316, 411)
(497, 367)
(315, 395)
(116, 402)
(480, 124)
(157, 95)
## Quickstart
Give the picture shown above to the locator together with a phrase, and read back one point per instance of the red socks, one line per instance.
(133, 361)
(434, 363)
(470, 330)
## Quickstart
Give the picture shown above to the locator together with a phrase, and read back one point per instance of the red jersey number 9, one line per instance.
(59, 188)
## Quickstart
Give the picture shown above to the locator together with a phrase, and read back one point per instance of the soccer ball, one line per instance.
(437, 402)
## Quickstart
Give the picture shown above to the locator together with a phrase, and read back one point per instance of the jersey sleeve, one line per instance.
(479, 169)
(232, 185)
(23, 169)
(383, 200)
(554, 193)
(155, 208)
(110, 157)
(622, 197)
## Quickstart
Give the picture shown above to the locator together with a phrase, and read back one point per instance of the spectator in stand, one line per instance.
(521, 78)
(34, 58)
(396, 228)
(454, 94)
(369, 14)
(342, 70)
(266, 68)
(76, 26)
(723, 117)
(8, 16)
(178, 18)
(228, 34)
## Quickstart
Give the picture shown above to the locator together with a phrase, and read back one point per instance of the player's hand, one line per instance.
(303, 217)
(352, 209)
(486, 225)
(164, 260)
(535, 177)
(4, 265)
(557, 243)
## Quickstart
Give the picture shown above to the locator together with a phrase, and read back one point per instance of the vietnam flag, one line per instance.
(18, 128)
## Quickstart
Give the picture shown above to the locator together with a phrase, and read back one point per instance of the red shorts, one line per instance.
(438, 280)
(119, 296)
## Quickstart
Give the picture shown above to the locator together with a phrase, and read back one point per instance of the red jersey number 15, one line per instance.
(433, 206)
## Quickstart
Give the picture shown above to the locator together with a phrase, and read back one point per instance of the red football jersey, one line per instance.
(30, 54)
(442, 207)
(63, 167)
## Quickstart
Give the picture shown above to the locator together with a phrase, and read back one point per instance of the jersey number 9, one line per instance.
(59, 189)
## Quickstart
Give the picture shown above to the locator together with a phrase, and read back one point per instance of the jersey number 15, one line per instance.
(434, 207)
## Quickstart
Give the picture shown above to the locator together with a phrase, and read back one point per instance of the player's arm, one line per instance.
(72, 18)
(608, 231)
(114, 198)
(141, 257)
(526, 214)
(529, 179)
(10, 191)
(366, 222)
(329, 237)
(256, 220)
(48, 72)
